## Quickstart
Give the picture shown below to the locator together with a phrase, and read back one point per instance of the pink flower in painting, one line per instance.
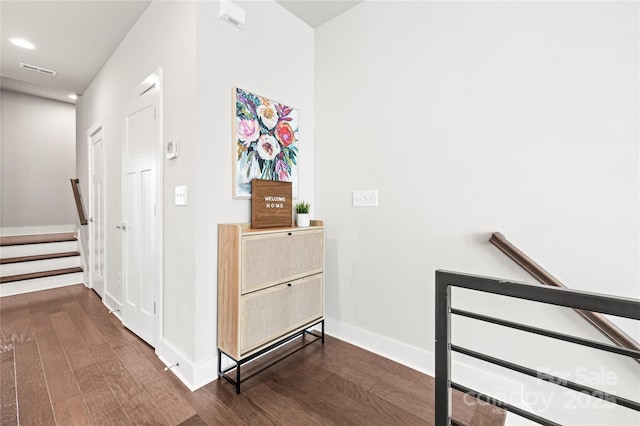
(285, 134)
(282, 171)
(268, 147)
(267, 113)
(248, 131)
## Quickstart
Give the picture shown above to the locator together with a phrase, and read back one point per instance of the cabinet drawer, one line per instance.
(274, 312)
(281, 257)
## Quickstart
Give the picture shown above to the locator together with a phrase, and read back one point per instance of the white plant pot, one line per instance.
(302, 219)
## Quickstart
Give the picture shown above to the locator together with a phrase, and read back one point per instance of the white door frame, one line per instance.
(90, 133)
(152, 82)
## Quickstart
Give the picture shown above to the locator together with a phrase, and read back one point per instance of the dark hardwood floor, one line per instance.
(64, 360)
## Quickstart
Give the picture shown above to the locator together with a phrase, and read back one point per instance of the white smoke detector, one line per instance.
(232, 14)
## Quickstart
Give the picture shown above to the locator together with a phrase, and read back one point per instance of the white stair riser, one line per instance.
(27, 286)
(7, 252)
(9, 269)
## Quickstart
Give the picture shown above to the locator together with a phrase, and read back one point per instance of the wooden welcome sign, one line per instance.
(271, 204)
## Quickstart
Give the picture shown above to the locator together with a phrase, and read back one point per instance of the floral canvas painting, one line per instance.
(265, 141)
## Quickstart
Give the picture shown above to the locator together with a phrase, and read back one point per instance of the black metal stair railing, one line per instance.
(445, 281)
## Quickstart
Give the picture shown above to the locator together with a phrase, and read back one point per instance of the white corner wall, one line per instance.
(201, 58)
(163, 37)
(273, 57)
(470, 118)
(38, 159)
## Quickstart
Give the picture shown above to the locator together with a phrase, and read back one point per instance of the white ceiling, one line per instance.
(73, 38)
(76, 38)
(317, 12)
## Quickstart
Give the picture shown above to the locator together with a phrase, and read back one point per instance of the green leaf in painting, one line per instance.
(242, 111)
(293, 156)
(266, 170)
(241, 150)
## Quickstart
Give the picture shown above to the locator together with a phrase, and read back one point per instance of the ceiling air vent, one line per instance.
(38, 69)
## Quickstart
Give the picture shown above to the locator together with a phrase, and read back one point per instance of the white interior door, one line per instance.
(97, 210)
(140, 278)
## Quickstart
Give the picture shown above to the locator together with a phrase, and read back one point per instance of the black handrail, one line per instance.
(622, 307)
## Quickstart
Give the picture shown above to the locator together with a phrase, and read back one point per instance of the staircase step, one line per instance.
(42, 274)
(50, 262)
(38, 284)
(23, 250)
(39, 257)
(15, 240)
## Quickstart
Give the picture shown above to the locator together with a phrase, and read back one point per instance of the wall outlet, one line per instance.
(366, 198)
(181, 195)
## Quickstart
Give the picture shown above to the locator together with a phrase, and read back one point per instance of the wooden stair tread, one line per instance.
(42, 274)
(39, 257)
(16, 240)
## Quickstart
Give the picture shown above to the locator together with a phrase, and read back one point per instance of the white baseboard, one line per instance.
(196, 375)
(410, 356)
(193, 375)
(31, 230)
(114, 306)
(422, 360)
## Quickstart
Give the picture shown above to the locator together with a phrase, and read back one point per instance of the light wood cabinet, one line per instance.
(270, 289)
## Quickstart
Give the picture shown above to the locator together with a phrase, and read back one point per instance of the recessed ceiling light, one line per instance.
(20, 42)
(73, 96)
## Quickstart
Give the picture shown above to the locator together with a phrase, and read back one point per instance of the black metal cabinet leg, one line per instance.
(227, 372)
(237, 378)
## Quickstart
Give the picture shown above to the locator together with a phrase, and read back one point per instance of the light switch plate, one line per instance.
(172, 149)
(365, 198)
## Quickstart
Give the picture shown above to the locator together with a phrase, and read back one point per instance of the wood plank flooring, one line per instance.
(65, 361)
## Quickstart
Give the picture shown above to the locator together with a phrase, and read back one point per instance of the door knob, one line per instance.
(123, 226)
(91, 219)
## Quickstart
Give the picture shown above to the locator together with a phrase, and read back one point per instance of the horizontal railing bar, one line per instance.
(595, 393)
(543, 332)
(502, 404)
(617, 306)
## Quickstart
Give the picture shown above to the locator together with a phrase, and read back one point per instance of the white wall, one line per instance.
(163, 37)
(470, 118)
(272, 57)
(202, 58)
(38, 159)
(485, 116)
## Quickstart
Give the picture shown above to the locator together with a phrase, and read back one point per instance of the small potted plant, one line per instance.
(302, 213)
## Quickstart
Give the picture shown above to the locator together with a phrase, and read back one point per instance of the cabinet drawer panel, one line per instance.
(281, 257)
(275, 311)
